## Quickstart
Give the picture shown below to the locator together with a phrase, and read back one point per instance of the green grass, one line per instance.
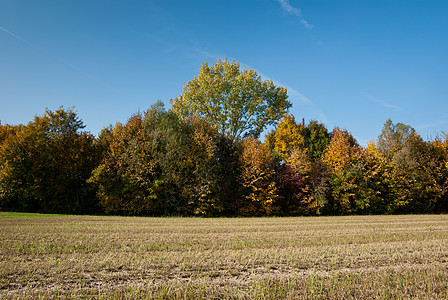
(360, 257)
(6, 215)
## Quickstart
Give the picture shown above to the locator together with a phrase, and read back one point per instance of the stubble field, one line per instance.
(228, 258)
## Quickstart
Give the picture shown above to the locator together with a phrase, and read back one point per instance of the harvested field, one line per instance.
(363, 257)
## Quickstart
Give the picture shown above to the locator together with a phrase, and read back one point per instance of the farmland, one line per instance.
(404, 256)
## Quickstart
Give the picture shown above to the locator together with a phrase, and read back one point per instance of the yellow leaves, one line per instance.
(288, 136)
(254, 161)
(299, 161)
(257, 176)
(341, 150)
(238, 102)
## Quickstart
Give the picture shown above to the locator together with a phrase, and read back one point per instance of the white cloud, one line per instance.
(297, 97)
(439, 122)
(295, 11)
(384, 103)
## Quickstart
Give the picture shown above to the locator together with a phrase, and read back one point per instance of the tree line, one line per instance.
(204, 157)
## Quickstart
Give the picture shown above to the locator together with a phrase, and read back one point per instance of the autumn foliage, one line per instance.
(159, 164)
(183, 161)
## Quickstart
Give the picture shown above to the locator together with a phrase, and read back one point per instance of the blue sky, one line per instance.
(351, 64)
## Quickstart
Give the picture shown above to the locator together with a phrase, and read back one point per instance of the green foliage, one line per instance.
(158, 164)
(237, 102)
(229, 189)
(199, 177)
(416, 170)
(317, 139)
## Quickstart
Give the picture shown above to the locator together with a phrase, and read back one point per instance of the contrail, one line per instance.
(20, 38)
(59, 59)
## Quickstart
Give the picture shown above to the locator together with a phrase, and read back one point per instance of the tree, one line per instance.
(257, 178)
(341, 150)
(380, 180)
(289, 135)
(393, 137)
(343, 157)
(158, 164)
(44, 166)
(420, 167)
(238, 102)
(302, 178)
(286, 137)
(317, 139)
(139, 174)
(229, 188)
(199, 180)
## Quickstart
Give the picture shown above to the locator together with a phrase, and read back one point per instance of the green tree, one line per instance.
(200, 168)
(238, 102)
(229, 189)
(317, 139)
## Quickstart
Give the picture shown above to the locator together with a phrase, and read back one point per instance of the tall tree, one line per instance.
(237, 101)
(393, 137)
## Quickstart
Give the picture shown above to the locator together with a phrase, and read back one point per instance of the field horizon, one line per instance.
(331, 257)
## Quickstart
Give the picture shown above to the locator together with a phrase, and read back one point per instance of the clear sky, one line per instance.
(346, 63)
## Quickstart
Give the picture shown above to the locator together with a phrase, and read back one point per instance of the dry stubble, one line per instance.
(242, 258)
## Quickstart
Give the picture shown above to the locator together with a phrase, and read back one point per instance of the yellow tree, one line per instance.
(257, 177)
(380, 180)
(236, 101)
(343, 157)
(287, 136)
